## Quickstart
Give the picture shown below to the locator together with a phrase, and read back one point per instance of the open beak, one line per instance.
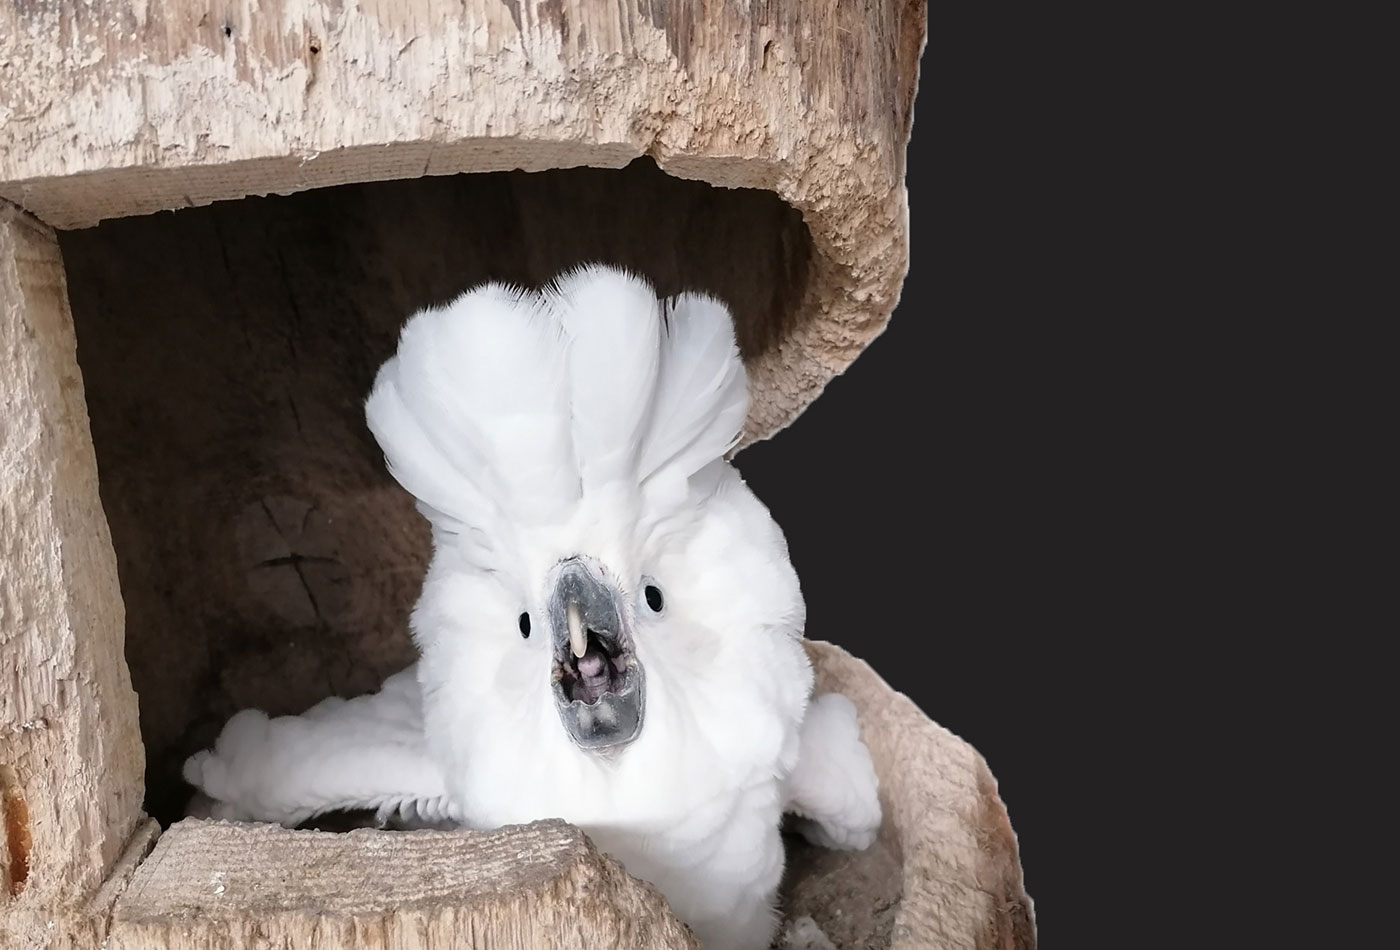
(598, 684)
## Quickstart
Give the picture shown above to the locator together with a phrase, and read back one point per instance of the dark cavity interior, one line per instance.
(266, 558)
(600, 670)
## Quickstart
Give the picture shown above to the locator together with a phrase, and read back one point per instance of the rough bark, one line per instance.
(70, 753)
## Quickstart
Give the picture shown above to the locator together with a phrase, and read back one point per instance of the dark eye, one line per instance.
(653, 596)
(525, 626)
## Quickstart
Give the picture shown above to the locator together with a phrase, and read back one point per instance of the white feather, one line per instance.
(613, 323)
(367, 752)
(702, 395)
(505, 407)
(471, 415)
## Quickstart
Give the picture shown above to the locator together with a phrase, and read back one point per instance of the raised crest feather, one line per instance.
(507, 407)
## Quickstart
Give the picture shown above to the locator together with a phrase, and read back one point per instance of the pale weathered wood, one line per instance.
(117, 109)
(961, 874)
(70, 753)
(218, 885)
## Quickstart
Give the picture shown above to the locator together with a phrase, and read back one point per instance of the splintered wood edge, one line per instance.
(962, 873)
(214, 884)
(137, 850)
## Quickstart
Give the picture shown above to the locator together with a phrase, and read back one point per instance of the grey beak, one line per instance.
(582, 602)
(598, 683)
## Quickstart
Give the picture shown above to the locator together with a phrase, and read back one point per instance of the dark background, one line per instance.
(955, 503)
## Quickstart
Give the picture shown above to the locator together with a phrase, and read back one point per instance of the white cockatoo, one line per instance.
(610, 628)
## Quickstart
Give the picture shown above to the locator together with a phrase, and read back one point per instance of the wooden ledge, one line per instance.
(221, 884)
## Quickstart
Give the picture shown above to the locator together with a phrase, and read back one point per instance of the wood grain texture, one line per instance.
(534, 887)
(70, 753)
(117, 109)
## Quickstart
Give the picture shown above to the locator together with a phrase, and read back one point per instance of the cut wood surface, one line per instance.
(534, 887)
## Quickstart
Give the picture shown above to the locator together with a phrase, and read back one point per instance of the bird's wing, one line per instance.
(833, 786)
(362, 753)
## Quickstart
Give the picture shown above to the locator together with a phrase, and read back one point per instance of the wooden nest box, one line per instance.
(213, 220)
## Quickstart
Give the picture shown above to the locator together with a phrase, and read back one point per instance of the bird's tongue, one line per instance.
(593, 665)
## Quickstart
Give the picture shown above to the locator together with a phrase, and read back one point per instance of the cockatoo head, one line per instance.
(596, 560)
